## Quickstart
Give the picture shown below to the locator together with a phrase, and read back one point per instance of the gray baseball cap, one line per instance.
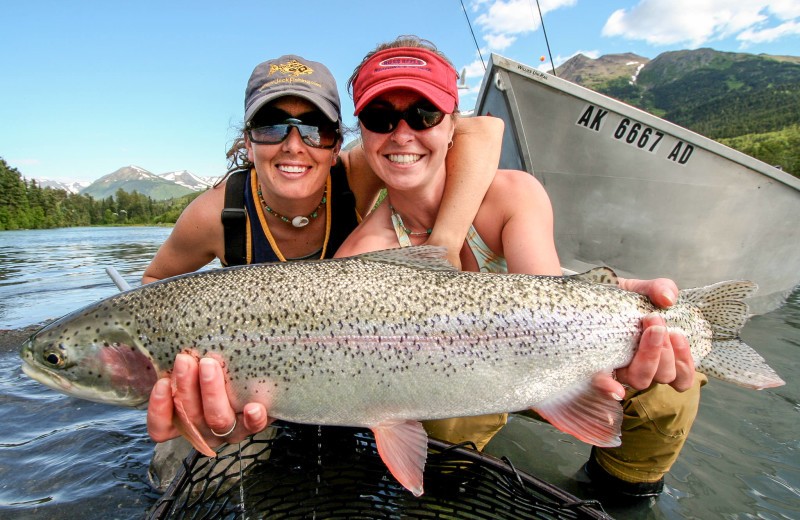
(292, 75)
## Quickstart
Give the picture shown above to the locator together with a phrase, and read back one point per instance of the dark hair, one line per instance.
(237, 157)
(405, 40)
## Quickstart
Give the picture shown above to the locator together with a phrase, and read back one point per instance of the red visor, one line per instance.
(420, 70)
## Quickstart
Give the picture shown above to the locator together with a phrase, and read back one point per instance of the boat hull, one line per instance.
(642, 195)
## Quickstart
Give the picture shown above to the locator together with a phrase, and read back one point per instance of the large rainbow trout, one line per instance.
(387, 339)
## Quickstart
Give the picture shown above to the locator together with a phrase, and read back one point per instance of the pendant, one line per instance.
(299, 221)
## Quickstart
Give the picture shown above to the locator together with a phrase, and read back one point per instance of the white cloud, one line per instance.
(784, 9)
(749, 36)
(499, 42)
(476, 69)
(508, 18)
(697, 22)
(502, 21)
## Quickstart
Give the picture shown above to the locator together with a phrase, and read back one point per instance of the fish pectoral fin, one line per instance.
(403, 447)
(188, 430)
(585, 412)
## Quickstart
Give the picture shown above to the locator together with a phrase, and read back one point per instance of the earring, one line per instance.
(450, 144)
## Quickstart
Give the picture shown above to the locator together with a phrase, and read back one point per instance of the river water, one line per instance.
(66, 458)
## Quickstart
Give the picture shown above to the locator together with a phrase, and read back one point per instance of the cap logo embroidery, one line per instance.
(402, 61)
(292, 68)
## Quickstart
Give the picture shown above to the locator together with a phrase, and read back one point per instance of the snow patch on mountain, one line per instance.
(68, 186)
(636, 74)
(187, 179)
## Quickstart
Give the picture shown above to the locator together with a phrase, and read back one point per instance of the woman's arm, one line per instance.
(471, 164)
(196, 239)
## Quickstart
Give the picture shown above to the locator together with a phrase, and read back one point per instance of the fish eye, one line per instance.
(53, 358)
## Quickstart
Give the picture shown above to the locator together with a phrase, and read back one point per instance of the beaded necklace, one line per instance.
(407, 230)
(268, 233)
(298, 221)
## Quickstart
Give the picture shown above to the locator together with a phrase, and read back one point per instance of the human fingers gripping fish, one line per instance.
(387, 339)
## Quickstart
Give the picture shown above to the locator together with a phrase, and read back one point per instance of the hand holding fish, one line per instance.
(662, 357)
(200, 388)
(349, 358)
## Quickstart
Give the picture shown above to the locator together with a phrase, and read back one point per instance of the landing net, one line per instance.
(297, 471)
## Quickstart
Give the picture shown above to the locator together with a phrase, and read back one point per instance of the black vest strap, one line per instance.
(234, 219)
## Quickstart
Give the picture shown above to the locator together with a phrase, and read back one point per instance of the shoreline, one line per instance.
(11, 339)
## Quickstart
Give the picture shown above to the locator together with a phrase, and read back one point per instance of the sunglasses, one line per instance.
(314, 131)
(385, 120)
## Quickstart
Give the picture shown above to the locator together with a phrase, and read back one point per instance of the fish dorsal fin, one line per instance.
(421, 257)
(602, 275)
(586, 413)
(403, 447)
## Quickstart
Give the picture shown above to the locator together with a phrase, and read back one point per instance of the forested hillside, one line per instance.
(780, 148)
(24, 205)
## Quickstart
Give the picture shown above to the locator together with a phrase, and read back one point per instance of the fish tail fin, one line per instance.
(730, 359)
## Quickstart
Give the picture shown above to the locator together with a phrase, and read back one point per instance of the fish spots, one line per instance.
(345, 326)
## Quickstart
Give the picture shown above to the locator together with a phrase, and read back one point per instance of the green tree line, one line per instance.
(25, 205)
(781, 148)
(741, 113)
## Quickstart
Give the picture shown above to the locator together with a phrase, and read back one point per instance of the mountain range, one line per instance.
(129, 178)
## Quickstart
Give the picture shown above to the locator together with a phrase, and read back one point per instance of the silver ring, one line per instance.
(226, 433)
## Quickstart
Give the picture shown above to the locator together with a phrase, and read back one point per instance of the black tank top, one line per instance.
(343, 219)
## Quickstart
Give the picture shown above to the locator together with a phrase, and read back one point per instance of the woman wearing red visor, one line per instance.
(405, 96)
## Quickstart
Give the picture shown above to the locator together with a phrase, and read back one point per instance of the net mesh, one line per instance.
(296, 471)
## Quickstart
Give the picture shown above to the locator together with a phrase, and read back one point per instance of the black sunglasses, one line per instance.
(319, 134)
(384, 120)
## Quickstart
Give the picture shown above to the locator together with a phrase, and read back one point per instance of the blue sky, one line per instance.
(89, 87)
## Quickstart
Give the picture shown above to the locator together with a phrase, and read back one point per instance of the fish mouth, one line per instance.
(67, 387)
(53, 380)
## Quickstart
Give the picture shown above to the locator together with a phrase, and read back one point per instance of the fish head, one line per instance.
(92, 355)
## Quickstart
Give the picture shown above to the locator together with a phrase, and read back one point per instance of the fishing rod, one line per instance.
(473, 34)
(546, 41)
(544, 31)
(117, 278)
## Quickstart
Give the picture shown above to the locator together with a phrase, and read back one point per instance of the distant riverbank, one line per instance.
(11, 339)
